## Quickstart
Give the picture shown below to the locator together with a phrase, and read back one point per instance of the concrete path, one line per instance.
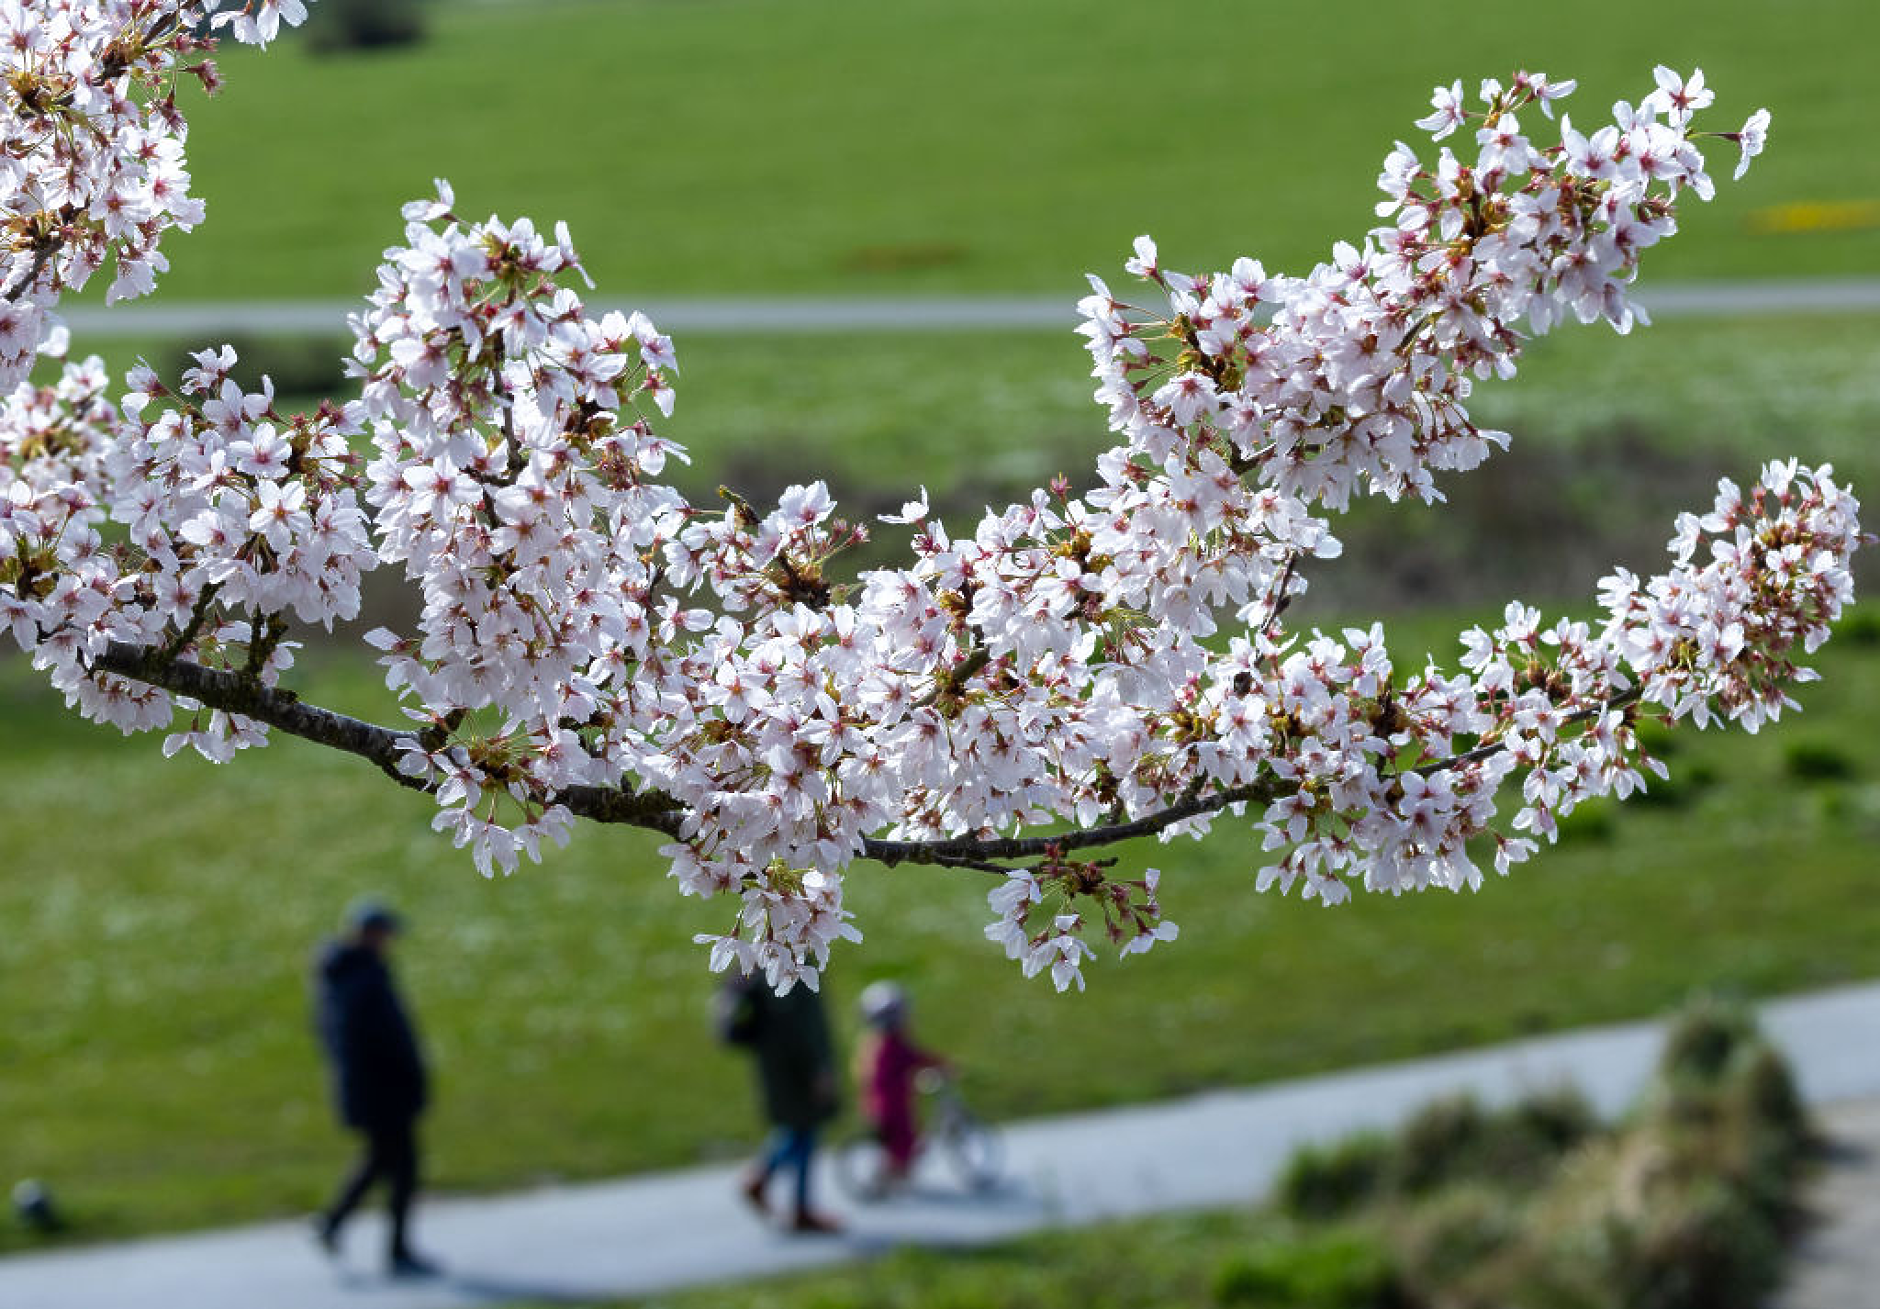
(571, 1243)
(810, 314)
(1837, 1264)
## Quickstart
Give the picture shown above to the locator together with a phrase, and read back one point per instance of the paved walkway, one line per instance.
(644, 1234)
(810, 314)
(1837, 1264)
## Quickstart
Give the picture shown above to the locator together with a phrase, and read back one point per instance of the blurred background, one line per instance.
(156, 1066)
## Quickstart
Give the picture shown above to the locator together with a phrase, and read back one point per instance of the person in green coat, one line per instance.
(797, 1081)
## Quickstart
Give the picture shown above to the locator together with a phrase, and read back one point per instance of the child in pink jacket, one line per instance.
(886, 1065)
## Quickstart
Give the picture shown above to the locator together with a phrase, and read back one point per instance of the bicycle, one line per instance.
(973, 1147)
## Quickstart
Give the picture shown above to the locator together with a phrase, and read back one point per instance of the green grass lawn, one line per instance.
(159, 1073)
(744, 146)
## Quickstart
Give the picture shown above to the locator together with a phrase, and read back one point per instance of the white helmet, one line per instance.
(883, 1004)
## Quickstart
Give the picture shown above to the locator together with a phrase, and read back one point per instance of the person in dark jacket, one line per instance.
(797, 1081)
(380, 1085)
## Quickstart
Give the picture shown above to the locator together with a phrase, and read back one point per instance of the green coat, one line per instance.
(796, 1059)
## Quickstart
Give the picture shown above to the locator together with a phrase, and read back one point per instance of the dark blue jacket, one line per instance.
(378, 1071)
(796, 1058)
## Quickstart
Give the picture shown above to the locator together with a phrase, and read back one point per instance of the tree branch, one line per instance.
(191, 630)
(42, 255)
(963, 848)
(967, 851)
(240, 693)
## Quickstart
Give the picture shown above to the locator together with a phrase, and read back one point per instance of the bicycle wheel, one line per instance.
(861, 1166)
(976, 1151)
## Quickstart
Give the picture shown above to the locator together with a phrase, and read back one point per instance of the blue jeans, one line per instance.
(791, 1147)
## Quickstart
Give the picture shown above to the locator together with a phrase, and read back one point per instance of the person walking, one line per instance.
(380, 1083)
(797, 1079)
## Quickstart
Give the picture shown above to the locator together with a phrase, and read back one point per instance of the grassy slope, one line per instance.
(737, 146)
(158, 1071)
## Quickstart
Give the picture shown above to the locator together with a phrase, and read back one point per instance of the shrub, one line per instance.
(1817, 761)
(1728, 1137)
(1703, 1039)
(1433, 1145)
(1658, 1218)
(1441, 1245)
(1330, 1180)
(1768, 1136)
(1698, 1247)
(1684, 1208)
(337, 25)
(1862, 626)
(1448, 1140)
(1774, 1102)
(1458, 1140)
(1686, 783)
(1557, 1119)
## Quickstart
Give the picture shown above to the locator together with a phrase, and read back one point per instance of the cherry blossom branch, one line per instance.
(239, 692)
(1263, 792)
(236, 692)
(198, 616)
(42, 255)
(1084, 838)
(242, 693)
(591, 645)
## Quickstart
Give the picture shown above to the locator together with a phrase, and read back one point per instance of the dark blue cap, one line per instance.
(373, 915)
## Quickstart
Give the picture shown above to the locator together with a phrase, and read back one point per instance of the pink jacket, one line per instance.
(889, 1063)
